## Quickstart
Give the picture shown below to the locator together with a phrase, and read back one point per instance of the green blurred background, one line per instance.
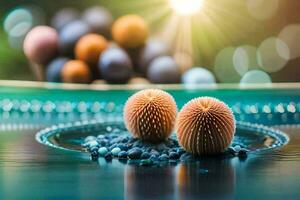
(230, 24)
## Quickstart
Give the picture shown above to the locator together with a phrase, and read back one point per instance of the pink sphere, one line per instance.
(40, 44)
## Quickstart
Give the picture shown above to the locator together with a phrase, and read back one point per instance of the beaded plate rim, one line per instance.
(43, 135)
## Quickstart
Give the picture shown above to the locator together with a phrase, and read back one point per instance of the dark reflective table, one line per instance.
(30, 170)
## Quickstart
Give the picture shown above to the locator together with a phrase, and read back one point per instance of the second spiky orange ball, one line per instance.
(150, 115)
(205, 126)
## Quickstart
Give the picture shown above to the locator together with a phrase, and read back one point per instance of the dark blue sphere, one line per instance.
(54, 68)
(115, 66)
(164, 70)
(99, 19)
(63, 17)
(70, 34)
(149, 52)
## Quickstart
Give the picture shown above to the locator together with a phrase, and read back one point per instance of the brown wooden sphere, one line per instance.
(205, 126)
(90, 47)
(41, 44)
(130, 31)
(150, 115)
(76, 71)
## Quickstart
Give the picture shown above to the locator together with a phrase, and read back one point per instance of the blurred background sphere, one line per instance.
(290, 35)
(224, 66)
(229, 38)
(198, 75)
(245, 59)
(115, 66)
(152, 49)
(54, 68)
(255, 77)
(164, 70)
(99, 19)
(70, 34)
(63, 17)
(273, 54)
(262, 9)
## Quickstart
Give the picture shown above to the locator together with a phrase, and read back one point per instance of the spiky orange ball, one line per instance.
(150, 115)
(205, 126)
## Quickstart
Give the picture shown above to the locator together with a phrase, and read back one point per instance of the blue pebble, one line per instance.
(180, 151)
(103, 142)
(108, 156)
(94, 148)
(92, 144)
(153, 157)
(145, 155)
(186, 157)
(163, 157)
(124, 140)
(137, 144)
(102, 151)
(135, 153)
(146, 162)
(154, 152)
(231, 150)
(112, 146)
(100, 137)
(123, 147)
(243, 153)
(94, 155)
(166, 151)
(123, 155)
(237, 148)
(173, 156)
(115, 151)
(129, 146)
(53, 71)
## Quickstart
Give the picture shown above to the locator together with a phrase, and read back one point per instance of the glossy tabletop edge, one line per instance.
(105, 87)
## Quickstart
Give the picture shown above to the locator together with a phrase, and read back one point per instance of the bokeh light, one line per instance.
(290, 35)
(18, 22)
(262, 9)
(224, 67)
(245, 59)
(273, 54)
(255, 77)
(186, 7)
(184, 60)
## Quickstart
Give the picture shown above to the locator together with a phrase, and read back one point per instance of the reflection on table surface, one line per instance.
(30, 170)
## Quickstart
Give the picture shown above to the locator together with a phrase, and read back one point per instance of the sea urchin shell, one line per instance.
(150, 115)
(205, 126)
